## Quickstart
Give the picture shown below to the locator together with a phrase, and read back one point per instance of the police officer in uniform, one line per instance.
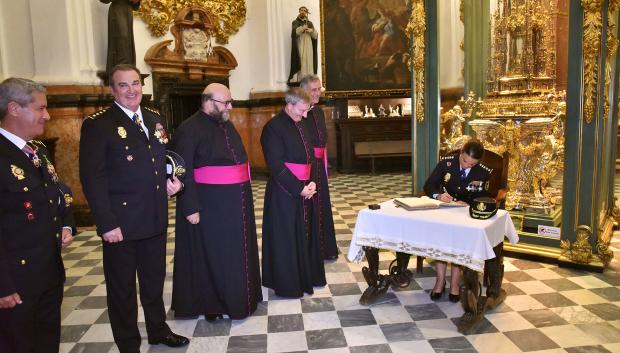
(457, 178)
(34, 224)
(123, 173)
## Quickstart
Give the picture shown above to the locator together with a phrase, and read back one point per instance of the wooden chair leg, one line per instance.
(419, 264)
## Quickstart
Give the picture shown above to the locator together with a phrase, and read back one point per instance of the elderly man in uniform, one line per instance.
(457, 178)
(216, 269)
(318, 136)
(292, 261)
(33, 224)
(123, 172)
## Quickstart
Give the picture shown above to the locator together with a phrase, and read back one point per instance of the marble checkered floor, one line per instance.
(549, 309)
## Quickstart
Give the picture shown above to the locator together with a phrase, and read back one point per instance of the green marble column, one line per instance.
(590, 136)
(425, 139)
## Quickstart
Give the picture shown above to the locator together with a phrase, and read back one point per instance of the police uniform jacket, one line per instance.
(447, 177)
(123, 172)
(31, 222)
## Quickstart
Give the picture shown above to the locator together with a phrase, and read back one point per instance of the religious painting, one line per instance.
(365, 48)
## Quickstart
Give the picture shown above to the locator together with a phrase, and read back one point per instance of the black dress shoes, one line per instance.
(213, 317)
(454, 297)
(172, 340)
(436, 296)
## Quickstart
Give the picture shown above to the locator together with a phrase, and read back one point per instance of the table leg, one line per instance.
(400, 276)
(495, 272)
(474, 303)
(377, 284)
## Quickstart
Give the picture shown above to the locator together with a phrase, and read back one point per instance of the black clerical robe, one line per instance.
(292, 262)
(322, 202)
(216, 268)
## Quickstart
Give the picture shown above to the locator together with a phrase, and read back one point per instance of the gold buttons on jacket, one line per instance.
(23, 262)
(157, 187)
(153, 160)
(25, 188)
(149, 146)
(156, 173)
(124, 203)
(51, 201)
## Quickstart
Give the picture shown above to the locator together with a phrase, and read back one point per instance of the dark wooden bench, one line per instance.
(381, 149)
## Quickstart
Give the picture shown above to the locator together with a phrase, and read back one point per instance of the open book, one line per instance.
(422, 203)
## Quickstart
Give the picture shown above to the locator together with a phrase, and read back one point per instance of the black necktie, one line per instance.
(463, 174)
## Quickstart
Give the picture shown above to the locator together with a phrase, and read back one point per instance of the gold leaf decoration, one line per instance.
(579, 251)
(592, 31)
(612, 47)
(228, 15)
(416, 28)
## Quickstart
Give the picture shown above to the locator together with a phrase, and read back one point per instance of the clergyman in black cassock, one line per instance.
(216, 267)
(292, 262)
(123, 174)
(315, 121)
(35, 224)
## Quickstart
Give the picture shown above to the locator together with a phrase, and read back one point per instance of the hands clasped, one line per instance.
(309, 190)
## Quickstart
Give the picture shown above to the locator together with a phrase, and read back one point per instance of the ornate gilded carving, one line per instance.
(603, 252)
(523, 47)
(612, 47)
(229, 15)
(592, 27)
(579, 251)
(416, 29)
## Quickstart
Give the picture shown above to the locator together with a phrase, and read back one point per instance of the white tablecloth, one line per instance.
(447, 234)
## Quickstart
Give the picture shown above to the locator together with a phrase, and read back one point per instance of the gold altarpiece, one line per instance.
(523, 117)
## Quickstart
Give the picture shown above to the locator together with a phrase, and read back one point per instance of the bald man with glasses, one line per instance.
(216, 269)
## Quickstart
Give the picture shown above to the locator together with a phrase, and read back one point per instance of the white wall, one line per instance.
(65, 42)
(16, 31)
(451, 57)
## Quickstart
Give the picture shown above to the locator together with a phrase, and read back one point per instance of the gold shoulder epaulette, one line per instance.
(450, 156)
(97, 114)
(152, 110)
(38, 142)
(490, 170)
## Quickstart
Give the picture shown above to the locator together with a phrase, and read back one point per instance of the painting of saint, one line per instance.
(364, 46)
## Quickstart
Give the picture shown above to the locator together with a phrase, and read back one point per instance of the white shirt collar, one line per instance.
(129, 112)
(16, 140)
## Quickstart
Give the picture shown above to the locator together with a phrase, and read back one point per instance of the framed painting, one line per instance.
(365, 48)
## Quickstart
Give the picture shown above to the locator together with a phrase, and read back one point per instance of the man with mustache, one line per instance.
(216, 268)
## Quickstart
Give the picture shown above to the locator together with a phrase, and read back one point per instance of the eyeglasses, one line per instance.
(226, 103)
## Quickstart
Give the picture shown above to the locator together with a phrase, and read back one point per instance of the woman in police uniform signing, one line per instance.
(457, 178)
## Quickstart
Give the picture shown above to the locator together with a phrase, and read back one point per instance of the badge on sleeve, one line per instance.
(446, 177)
(17, 172)
(122, 132)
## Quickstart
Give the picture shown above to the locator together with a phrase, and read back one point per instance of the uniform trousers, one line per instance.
(121, 262)
(34, 325)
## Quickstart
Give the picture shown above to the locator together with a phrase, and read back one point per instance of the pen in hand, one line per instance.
(446, 192)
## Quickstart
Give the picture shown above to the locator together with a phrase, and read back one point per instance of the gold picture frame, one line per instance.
(365, 51)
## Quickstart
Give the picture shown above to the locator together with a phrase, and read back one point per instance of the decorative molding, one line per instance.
(612, 47)
(159, 14)
(592, 32)
(416, 28)
(580, 251)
